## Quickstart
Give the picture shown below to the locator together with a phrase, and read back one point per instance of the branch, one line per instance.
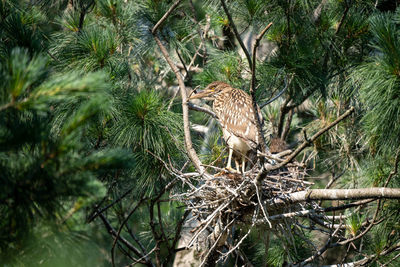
(320, 251)
(97, 212)
(166, 15)
(120, 229)
(310, 141)
(253, 85)
(185, 112)
(202, 109)
(340, 194)
(370, 258)
(112, 231)
(237, 35)
(253, 65)
(279, 94)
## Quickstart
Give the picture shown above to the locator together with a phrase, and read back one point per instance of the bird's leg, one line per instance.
(243, 163)
(229, 164)
(237, 165)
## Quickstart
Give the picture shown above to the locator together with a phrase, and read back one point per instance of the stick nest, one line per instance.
(222, 199)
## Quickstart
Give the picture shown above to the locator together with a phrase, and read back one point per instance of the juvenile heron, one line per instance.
(235, 113)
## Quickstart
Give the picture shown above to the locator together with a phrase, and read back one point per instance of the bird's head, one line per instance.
(211, 91)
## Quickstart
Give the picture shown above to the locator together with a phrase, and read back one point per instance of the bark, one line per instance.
(341, 194)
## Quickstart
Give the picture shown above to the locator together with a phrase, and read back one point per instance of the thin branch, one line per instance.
(97, 212)
(202, 109)
(112, 231)
(287, 125)
(253, 65)
(185, 112)
(130, 232)
(283, 111)
(166, 15)
(145, 256)
(237, 35)
(346, 10)
(320, 251)
(253, 85)
(370, 258)
(120, 229)
(287, 83)
(310, 141)
(396, 166)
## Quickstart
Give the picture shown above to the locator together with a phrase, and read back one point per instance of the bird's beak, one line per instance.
(198, 95)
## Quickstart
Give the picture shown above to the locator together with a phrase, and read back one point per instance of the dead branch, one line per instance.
(202, 109)
(237, 35)
(120, 228)
(166, 15)
(112, 231)
(185, 112)
(310, 141)
(320, 251)
(253, 85)
(340, 194)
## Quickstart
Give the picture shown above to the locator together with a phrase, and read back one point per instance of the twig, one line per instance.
(261, 205)
(277, 96)
(395, 169)
(237, 35)
(310, 141)
(202, 109)
(370, 258)
(97, 212)
(166, 15)
(253, 85)
(145, 256)
(120, 228)
(112, 231)
(322, 250)
(253, 65)
(185, 113)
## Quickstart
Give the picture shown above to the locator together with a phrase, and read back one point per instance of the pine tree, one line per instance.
(93, 153)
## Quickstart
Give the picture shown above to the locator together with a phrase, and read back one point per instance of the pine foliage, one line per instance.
(91, 123)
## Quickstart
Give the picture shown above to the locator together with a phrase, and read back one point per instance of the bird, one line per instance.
(234, 110)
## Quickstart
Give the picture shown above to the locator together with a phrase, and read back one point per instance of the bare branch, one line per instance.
(202, 109)
(120, 229)
(112, 231)
(185, 112)
(166, 15)
(235, 31)
(322, 250)
(97, 212)
(253, 85)
(310, 141)
(253, 65)
(340, 194)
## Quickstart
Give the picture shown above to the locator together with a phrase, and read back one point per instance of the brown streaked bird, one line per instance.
(235, 113)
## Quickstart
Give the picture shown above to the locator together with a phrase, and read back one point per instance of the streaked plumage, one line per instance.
(236, 116)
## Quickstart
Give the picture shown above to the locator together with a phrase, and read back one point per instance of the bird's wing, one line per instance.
(237, 116)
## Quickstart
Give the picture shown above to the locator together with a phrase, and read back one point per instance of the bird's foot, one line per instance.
(231, 170)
